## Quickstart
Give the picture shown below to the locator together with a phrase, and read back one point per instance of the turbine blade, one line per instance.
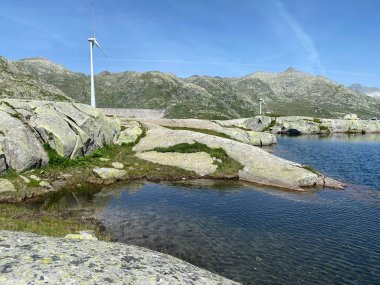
(97, 44)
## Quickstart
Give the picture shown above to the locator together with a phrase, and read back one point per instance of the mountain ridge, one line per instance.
(290, 92)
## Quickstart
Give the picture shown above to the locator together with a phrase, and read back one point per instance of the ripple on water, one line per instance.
(258, 235)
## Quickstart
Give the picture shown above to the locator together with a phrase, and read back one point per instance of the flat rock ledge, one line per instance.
(27, 258)
(259, 166)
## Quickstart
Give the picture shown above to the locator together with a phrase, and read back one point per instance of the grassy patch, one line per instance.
(318, 121)
(227, 168)
(33, 183)
(203, 131)
(311, 169)
(44, 222)
(324, 128)
(11, 174)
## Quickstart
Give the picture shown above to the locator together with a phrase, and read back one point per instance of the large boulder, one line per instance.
(55, 131)
(69, 128)
(20, 145)
(258, 123)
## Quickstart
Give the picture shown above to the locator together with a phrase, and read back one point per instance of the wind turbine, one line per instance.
(93, 42)
(261, 101)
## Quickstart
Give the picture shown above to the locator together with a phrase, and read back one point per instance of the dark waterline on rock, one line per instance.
(258, 235)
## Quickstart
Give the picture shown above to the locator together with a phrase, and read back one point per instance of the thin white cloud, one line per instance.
(304, 39)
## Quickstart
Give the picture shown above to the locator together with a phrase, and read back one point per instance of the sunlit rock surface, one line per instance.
(31, 259)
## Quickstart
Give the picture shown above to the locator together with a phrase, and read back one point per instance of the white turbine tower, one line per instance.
(261, 101)
(93, 42)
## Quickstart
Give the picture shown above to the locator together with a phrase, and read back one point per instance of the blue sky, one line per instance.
(339, 39)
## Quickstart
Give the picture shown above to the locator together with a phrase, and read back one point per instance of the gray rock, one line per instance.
(129, 135)
(55, 131)
(199, 162)
(3, 165)
(82, 235)
(28, 258)
(45, 184)
(70, 129)
(21, 148)
(117, 165)
(104, 159)
(35, 177)
(25, 179)
(6, 186)
(109, 173)
(246, 136)
(259, 166)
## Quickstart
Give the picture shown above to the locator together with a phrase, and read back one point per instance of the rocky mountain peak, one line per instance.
(290, 70)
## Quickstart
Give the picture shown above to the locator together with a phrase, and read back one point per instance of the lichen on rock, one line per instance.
(29, 259)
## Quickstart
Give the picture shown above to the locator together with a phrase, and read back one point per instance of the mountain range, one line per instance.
(286, 93)
(369, 91)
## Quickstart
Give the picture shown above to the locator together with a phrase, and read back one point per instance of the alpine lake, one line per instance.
(259, 235)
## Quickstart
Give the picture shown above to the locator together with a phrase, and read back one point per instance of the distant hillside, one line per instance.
(369, 91)
(287, 93)
(16, 82)
(75, 85)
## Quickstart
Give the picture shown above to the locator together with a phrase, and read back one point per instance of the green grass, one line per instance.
(33, 183)
(324, 128)
(311, 169)
(203, 131)
(318, 121)
(45, 222)
(228, 168)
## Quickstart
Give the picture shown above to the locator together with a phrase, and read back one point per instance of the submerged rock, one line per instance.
(199, 162)
(29, 259)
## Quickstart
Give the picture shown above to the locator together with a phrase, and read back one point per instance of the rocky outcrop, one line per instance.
(31, 259)
(70, 129)
(130, 134)
(236, 133)
(259, 166)
(307, 125)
